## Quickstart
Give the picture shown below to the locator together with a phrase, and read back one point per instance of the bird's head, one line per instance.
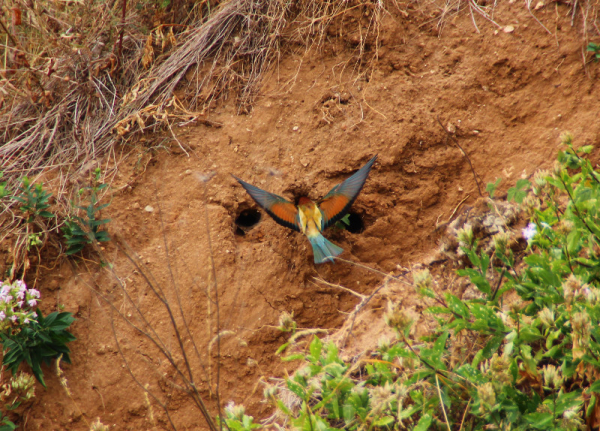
(305, 203)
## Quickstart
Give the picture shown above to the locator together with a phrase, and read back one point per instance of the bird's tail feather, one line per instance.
(323, 249)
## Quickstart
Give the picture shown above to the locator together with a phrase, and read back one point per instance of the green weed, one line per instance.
(80, 231)
(518, 193)
(491, 187)
(6, 424)
(343, 223)
(3, 191)
(33, 199)
(595, 48)
(37, 341)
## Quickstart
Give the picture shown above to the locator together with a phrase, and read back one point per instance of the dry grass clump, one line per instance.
(75, 72)
(230, 53)
(63, 67)
(77, 78)
(62, 79)
(584, 13)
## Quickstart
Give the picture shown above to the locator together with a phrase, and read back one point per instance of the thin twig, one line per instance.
(437, 384)
(216, 284)
(122, 31)
(449, 135)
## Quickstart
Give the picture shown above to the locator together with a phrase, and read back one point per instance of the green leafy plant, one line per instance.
(518, 193)
(6, 424)
(491, 187)
(18, 390)
(34, 240)
(33, 199)
(37, 342)
(80, 231)
(343, 223)
(3, 191)
(595, 48)
(236, 419)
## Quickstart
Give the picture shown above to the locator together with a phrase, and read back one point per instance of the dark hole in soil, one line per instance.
(356, 223)
(246, 220)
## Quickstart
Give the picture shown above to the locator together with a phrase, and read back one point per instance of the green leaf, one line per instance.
(529, 334)
(491, 187)
(567, 401)
(282, 348)
(316, 346)
(433, 356)
(457, 306)
(293, 357)
(595, 387)
(518, 192)
(384, 421)
(424, 423)
(541, 421)
(573, 241)
(296, 389)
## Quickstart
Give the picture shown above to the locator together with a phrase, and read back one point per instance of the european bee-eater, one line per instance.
(310, 217)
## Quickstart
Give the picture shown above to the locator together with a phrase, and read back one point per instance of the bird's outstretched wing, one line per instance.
(337, 202)
(283, 211)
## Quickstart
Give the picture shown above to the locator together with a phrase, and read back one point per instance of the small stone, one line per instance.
(148, 209)
(539, 5)
(295, 128)
(136, 206)
(508, 29)
(188, 171)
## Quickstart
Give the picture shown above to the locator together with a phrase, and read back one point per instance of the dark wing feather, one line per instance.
(280, 209)
(338, 201)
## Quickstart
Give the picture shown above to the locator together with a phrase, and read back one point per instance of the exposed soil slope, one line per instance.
(505, 97)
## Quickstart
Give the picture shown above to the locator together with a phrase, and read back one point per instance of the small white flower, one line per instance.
(26, 320)
(2, 316)
(32, 302)
(529, 232)
(13, 317)
(34, 315)
(34, 292)
(20, 304)
(20, 294)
